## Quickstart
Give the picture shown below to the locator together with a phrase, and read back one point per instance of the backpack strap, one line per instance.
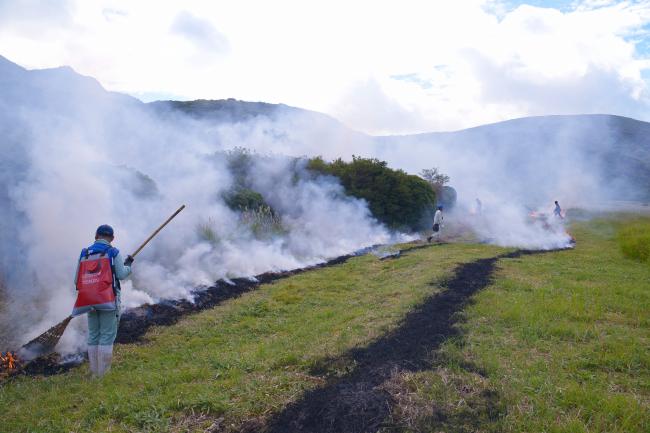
(112, 252)
(101, 249)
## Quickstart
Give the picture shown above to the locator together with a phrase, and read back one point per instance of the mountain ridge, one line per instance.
(207, 107)
(617, 147)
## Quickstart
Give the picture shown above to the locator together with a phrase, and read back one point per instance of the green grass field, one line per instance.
(559, 342)
(634, 239)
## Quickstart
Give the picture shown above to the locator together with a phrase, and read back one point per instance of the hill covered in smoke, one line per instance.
(75, 156)
(234, 111)
(576, 158)
(579, 157)
(531, 160)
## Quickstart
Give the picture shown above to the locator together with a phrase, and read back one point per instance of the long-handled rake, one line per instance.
(45, 343)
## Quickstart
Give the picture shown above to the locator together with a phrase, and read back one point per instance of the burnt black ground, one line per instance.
(135, 322)
(355, 403)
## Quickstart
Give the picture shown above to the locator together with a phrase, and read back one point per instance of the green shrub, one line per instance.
(240, 163)
(244, 198)
(262, 221)
(634, 240)
(394, 197)
(206, 232)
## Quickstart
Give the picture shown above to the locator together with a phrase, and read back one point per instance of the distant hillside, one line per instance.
(564, 154)
(615, 147)
(56, 88)
(226, 110)
(619, 140)
(614, 150)
(267, 128)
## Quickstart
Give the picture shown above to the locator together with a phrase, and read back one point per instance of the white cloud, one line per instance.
(26, 16)
(201, 33)
(368, 107)
(473, 65)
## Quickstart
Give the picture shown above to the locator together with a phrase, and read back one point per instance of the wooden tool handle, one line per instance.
(157, 230)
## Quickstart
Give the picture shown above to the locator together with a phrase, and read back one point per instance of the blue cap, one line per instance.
(104, 230)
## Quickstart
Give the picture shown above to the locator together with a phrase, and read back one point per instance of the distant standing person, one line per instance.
(479, 206)
(437, 224)
(558, 210)
(99, 271)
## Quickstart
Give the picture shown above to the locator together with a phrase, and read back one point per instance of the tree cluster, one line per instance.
(446, 194)
(395, 198)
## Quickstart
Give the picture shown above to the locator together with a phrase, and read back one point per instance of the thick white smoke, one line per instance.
(517, 170)
(75, 156)
(511, 179)
(512, 225)
(84, 157)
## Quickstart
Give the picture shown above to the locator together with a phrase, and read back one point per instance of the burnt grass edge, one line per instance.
(135, 322)
(357, 401)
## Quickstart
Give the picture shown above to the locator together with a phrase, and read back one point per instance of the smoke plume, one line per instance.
(75, 157)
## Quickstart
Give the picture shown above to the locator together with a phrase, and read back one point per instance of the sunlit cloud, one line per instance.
(378, 66)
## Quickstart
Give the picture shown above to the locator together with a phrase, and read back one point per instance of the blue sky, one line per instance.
(643, 46)
(555, 4)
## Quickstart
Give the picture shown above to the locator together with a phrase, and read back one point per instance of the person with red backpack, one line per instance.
(99, 271)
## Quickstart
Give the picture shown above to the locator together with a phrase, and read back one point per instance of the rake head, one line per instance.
(44, 343)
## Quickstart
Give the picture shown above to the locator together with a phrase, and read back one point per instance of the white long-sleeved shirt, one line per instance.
(437, 218)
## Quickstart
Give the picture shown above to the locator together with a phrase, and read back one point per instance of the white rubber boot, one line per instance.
(105, 356)
(92, 359)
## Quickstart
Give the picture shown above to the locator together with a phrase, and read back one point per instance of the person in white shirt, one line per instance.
(437, 224)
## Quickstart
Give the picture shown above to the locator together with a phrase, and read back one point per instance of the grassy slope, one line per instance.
(240, 360)
(559, 342)
(562, 339)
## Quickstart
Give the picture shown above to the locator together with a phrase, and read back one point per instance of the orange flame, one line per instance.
(8, 361)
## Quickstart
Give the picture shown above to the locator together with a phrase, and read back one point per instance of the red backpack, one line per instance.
(96, 280)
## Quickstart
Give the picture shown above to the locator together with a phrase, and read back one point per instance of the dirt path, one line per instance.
(356, 402)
